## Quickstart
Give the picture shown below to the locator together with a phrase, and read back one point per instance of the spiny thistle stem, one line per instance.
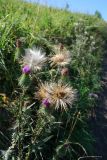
(73, 126)
(44, 118)
(20, 130)
(60, 118)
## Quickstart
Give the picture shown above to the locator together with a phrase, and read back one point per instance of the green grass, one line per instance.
(85, 37)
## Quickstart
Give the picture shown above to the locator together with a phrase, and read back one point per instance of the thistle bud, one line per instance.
(65, 72)
(26, 69)
(61, 47)
(45, 102)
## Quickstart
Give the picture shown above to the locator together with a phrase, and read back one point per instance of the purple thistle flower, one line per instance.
(46, 102)
(26, 69)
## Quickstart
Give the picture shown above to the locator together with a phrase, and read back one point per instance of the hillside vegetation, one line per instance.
(44, 110)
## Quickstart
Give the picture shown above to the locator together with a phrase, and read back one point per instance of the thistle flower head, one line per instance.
(62, 95)
(34, 58)
(46, 102)
(26, 69)
(58, 94)
(43, 92)
(61, 58)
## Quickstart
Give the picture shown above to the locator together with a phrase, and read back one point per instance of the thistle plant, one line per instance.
(53, 96)
(61, 61)
(33, 61)
(48, 119)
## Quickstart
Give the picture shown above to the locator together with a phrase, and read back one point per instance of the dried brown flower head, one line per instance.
(61, 58)
(58, 94)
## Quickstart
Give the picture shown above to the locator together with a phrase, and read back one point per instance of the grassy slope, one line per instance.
(42, 26)
(37, 24)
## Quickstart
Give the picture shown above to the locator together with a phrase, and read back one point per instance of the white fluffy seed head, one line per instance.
(34, 58)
